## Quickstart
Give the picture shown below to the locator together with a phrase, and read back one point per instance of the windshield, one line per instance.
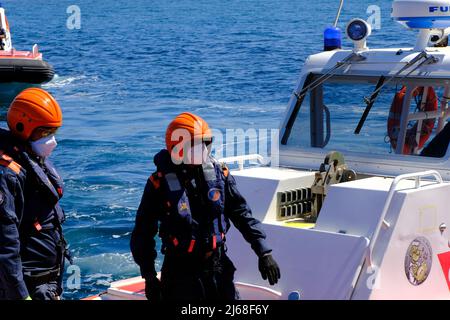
(330, 114)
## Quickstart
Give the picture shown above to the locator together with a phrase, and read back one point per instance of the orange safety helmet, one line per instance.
(31, 109)
(193, 124)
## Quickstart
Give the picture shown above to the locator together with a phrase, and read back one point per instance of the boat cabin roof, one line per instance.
(334, 91)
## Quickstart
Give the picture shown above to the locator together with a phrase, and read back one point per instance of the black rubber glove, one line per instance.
(153, 289)
(269, 269)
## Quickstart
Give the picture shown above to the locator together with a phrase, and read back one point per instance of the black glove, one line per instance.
(153, 289)
(269, 269)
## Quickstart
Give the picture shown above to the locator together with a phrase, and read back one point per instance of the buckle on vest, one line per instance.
(191, 246)
(214, 242)
(37, 226)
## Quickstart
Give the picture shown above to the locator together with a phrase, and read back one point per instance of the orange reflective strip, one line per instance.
(9, 162)
(14, 166)
(191, 246)
(155, 182)
(214, 243)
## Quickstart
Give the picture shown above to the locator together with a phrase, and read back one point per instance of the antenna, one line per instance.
(338, 14)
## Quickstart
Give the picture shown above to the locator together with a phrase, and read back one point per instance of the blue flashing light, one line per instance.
(332, 38)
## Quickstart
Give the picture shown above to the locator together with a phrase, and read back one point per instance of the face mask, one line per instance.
(44, 147)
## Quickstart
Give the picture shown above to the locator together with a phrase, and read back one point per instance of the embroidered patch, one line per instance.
(183, 207)
(214, 194)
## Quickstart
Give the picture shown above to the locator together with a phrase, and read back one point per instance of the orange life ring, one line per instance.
(393, 125)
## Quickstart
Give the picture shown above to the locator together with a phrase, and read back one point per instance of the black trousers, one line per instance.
(192, 278)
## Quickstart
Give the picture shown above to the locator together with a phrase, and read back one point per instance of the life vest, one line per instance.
(395, 113)
(42, 244)
(179, 229)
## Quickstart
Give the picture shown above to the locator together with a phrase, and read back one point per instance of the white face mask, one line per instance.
(45, 146)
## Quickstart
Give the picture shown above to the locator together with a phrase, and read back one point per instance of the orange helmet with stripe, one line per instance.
(185, 124)
(31, 109)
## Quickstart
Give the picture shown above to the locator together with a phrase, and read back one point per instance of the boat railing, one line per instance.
(241, 159)
(35, 50)
(394, 188)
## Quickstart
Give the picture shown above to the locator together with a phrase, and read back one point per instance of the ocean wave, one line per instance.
(106, 264)
(63, 81)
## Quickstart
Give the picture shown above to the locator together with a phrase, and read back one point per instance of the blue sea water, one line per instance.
(134, 65)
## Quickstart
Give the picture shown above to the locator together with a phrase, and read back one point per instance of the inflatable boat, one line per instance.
(19, 69)
(24, 67)
(372, 226)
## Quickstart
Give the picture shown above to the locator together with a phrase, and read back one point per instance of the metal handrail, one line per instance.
(382, 222)
(241, 159)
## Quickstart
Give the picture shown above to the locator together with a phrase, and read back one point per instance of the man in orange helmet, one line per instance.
(194, 198)
(32, 247)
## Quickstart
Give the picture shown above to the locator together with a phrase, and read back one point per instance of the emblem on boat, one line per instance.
(418, 261)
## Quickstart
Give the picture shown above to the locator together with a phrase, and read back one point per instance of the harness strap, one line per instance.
(37, 279)
(191, 246)
(214, 242)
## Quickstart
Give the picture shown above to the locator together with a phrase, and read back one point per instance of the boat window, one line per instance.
(329, 116)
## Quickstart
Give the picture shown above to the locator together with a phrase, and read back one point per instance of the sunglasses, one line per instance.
(46, 131)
